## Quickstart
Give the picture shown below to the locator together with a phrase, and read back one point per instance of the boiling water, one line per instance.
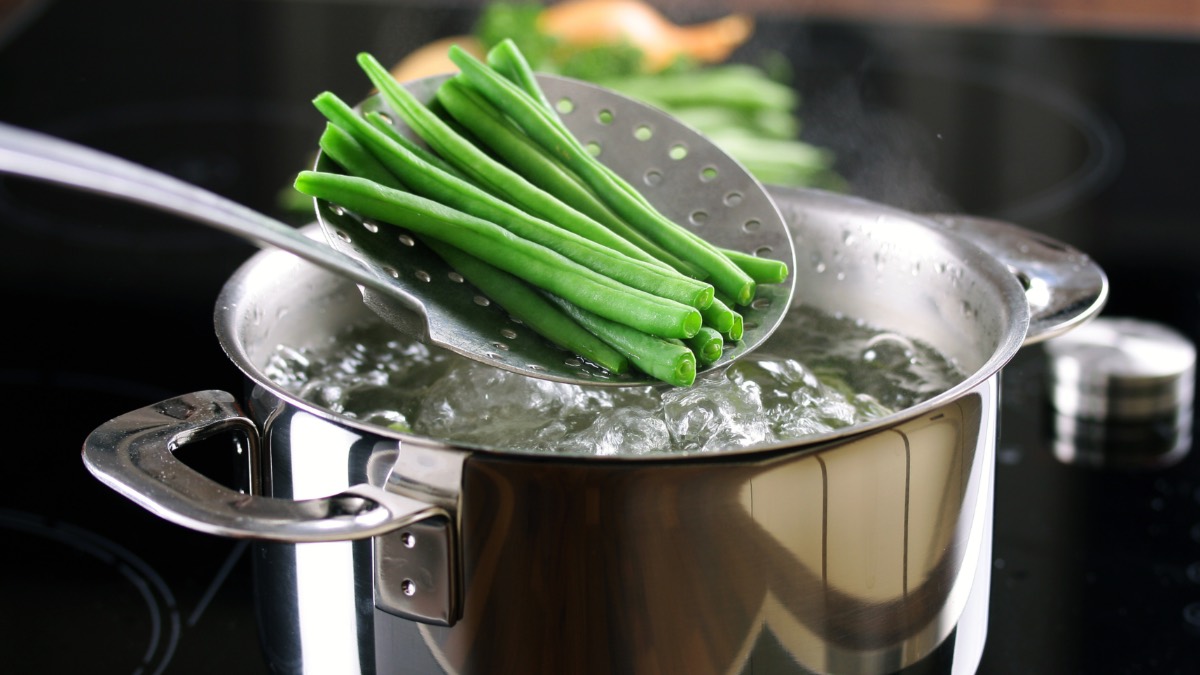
(818, 374)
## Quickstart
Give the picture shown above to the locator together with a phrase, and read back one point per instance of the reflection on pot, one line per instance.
(862, 557)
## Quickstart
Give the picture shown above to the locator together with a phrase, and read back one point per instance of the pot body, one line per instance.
(861, 556)
(862, 551)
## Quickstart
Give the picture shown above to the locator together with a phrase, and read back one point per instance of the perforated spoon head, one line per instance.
(681, 172)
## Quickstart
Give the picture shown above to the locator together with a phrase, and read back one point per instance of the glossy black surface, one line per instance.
(1088, 137)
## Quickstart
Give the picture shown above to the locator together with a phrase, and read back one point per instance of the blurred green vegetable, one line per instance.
(748, 110)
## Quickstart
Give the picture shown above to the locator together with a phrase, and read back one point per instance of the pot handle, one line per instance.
(134, 455)
(1063, 285)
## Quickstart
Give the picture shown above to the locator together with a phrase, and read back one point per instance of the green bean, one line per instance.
(718, 315)
(531, 308)
(527, 260)
(512, 188)
(518, 151)
(668, 360)
(429, 182)
(384, 123)
(517, 298)
(707, 344)
(762, 270)
(735, 333)
(485, 171)
(412, 147)
(349, 154)
(508, 60)
(736, 327)
(532, 117)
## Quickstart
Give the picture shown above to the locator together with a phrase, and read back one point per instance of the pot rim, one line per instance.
(990, 268)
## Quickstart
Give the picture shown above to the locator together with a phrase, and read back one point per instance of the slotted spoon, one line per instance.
(683, 174)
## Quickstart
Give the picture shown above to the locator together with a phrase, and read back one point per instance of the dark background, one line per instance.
(1086, 135)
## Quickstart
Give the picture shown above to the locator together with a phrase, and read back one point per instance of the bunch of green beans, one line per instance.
(505, 195)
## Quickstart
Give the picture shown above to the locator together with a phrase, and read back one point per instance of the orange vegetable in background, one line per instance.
(431, 59)
(585, 23)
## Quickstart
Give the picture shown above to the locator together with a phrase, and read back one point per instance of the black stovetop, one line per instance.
(1088, 137)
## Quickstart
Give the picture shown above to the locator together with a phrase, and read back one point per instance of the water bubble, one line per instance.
(888, 350)
(837, 371)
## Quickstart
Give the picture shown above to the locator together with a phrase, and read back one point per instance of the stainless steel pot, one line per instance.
(861, 551)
